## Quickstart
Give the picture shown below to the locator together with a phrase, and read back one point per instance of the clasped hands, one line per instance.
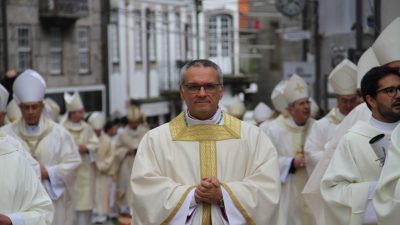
(208, 191)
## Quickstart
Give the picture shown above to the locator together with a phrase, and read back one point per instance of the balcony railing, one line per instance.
(68, 9)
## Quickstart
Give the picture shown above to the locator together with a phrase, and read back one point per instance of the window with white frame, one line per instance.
(152, 33)
(178, 36)
(55, 51)
(24, 48)
(220, 41)
(137, 30)
(84, 50)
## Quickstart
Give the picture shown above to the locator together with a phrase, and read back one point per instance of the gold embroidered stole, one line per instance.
(31, 142)
(333, 117)
(77, 132)
(206, 135)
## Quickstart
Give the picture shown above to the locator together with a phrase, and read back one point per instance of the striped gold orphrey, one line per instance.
(206, 135)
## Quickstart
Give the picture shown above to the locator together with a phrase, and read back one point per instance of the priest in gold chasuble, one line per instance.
(205, 166)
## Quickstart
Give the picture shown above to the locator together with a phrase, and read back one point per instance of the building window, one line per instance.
(152, 39)
(138, 35)
(178, 36)
(24, 48)
(55, 51)
(84, 52)
(220, 36)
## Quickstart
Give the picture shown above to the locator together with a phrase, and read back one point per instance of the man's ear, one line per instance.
(371, 101)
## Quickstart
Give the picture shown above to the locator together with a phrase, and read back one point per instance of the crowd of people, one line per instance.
(207, 166)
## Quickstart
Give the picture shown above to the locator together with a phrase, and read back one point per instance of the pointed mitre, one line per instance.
(73, 102)
(3, 98)
(135, 114)
(13, 111)
(295, 89)
(29, 87)
(366, 62)
(236, 108)
(262, 112)
(343, 78)
(277, 98)
(387, 45)
(51, 109)
(97, 120)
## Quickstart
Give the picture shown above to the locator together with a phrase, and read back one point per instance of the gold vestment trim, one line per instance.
(177, 207)
(206, 135)
(238, 205)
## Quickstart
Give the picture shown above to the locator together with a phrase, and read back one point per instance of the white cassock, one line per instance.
(288, 138)
(23, 198)
(312, 191)
(349, 182)
(387, 196)
(104, 173)
(172, 158)
(53, 147)
(128, 139)
(84, 134)
(321, 132)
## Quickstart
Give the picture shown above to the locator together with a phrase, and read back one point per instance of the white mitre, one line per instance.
(295, 89)
(277, 98)
(73, 102)
(343, 78)
(387, 45)
(97, 120)
(29, 87)
(366, 62)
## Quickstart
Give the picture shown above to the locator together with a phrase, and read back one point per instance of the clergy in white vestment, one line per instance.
(23, 198)
(236, 108)
(126, 147)
(87, 143)
(13, 112)
(288, 136)
(51, 109)
(349, 182)
(205, 166)
(49, 143)
(103, 170)
(343, 80)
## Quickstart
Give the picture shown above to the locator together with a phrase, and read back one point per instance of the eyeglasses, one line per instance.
(195, 88)
(390, 91)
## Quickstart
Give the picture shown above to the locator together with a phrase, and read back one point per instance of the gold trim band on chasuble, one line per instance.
(207, 135)
(175, 210)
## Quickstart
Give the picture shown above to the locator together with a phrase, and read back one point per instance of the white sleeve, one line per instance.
(187, 209)
(285, 170)
(370, 214)
(233, 213)
(16, 219)
(55, 187)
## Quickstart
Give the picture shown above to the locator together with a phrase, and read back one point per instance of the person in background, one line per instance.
(49, 143)
(87, 143)
(288, 135)
(262, 112)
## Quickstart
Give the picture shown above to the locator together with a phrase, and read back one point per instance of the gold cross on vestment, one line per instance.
(299, 88)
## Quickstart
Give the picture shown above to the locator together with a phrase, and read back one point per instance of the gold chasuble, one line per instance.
(167, 159)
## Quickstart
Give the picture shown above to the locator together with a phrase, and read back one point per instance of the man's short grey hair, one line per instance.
(200, 63)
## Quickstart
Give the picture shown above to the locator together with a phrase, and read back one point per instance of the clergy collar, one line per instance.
(338, 114)
(385, 127)
(294, 124)
(217, 118)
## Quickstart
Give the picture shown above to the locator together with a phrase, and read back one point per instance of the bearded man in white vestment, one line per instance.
(205, 166)
(49, 143)
(288, 136)
(349, 182)
(23, 198)
(87, 143)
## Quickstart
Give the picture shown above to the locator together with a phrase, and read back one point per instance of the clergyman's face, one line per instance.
(77, 116)
(31, 112)
(384, 107)
(346, 103)
(201, 91)
(300, 110)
